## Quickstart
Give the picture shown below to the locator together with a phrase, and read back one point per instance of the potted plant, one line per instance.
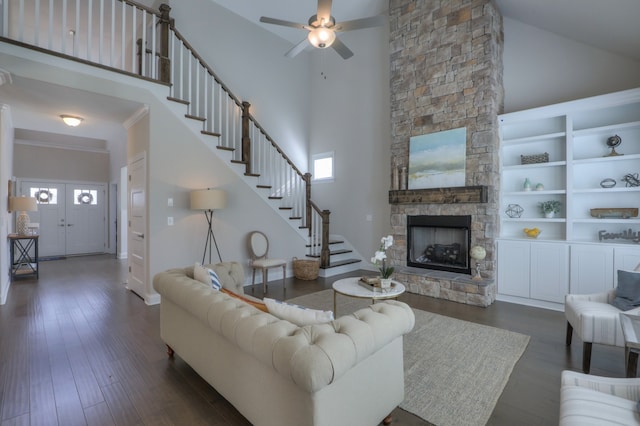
(379, 259)
(550, 208)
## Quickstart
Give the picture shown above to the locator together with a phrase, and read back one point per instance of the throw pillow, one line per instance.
(627, 291)
(206, 276)
(255, 303)
(298, 315)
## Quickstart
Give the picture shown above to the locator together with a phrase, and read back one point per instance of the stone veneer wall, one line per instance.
(446, 73)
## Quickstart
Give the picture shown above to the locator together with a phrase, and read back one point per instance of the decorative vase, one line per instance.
(385, 283)
(548, 215)
(527, 185)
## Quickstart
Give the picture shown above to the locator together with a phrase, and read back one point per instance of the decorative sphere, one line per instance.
(478, 253)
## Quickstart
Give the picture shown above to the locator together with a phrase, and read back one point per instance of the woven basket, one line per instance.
(304, 269)
(534, 159)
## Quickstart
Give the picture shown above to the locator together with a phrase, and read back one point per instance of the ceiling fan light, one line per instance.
(321, 37)
(71, 121)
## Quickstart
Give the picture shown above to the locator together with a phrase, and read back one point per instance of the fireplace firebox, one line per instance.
(439, 242)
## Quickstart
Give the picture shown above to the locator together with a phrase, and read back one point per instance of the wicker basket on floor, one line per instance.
(305, 269)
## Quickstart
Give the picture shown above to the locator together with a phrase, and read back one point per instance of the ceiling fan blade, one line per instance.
(283, 23)
(342, 50)
(356, 24)
(297, 48)
(324, 11)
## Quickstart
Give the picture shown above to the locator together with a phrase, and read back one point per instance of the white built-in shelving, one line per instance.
(575, 135)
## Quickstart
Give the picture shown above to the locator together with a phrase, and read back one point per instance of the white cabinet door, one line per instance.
(591, 268)
(626, 259)
(549, 271)
(513, 268)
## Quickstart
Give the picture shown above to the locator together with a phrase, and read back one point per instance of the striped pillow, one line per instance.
(207, 276)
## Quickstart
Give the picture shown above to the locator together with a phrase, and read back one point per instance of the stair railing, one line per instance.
(127, 37)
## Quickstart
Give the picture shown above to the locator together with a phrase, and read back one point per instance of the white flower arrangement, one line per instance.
(380, 256)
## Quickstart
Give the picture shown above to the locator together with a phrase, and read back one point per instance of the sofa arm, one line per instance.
(627, 388)
(604, 297)
(315, 356)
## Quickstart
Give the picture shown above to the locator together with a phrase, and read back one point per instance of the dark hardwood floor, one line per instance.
(77, 348)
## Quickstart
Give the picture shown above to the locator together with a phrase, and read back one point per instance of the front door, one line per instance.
(71, 217)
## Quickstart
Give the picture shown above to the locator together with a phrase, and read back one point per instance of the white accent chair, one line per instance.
(587, 400)
(595, 320)
(259, 248)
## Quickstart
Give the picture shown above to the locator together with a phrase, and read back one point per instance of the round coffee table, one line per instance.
(352, 288)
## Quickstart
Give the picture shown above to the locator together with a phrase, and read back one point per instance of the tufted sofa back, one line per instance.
(311, 356)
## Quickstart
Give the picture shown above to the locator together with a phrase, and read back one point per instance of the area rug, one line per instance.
(455, 370)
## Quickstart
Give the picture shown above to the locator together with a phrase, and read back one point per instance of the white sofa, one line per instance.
(346, 372)
(587, 400)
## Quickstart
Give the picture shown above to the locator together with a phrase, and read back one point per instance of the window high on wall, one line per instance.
(322, 166)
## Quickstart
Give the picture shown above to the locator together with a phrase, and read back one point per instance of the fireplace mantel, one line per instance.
(453, 195)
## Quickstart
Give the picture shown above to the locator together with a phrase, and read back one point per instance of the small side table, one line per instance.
(24, 255)
(631, 331)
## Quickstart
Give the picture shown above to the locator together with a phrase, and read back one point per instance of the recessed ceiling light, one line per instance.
(71, 121)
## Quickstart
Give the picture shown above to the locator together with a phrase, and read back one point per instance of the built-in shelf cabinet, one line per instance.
(574, 135)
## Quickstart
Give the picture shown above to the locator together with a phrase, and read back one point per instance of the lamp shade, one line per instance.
(321, 37)
(23, 204)
(208, 199)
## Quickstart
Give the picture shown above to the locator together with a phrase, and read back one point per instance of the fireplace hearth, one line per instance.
(439, 242)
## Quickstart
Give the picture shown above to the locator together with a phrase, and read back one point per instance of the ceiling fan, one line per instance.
(322, 29)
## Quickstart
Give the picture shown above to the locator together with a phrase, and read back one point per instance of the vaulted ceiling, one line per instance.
(611, 25)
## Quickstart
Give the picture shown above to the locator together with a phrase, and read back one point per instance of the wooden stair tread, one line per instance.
(341, 263)
(225, 148)
(264, 186)
(180, 101)
(285, 208)
(275, 198)
(195, 117)
(295, 217)
(332, 253)
(238, 162)
(252, 174)
(330, 242)
(205, 132)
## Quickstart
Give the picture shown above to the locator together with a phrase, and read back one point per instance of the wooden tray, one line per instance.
(615, 212)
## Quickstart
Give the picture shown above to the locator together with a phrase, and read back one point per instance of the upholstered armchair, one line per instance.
(595, 320)
(592, 400)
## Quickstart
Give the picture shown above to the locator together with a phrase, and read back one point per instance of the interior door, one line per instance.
(137, 227)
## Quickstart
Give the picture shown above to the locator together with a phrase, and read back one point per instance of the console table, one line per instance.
(24, 255)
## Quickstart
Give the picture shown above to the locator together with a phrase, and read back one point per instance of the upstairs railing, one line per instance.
(127, 37)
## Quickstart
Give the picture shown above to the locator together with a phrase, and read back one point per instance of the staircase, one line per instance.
(150, 47)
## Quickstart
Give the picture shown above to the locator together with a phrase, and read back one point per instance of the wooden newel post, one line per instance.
(308, 208)
(164, 63)
(324, 251)
(246, 140)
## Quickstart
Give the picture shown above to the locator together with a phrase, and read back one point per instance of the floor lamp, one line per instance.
(209, 200)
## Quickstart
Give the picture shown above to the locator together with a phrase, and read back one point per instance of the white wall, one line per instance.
(6, 172)
(251, 62)
(350, 116)
(541, 68)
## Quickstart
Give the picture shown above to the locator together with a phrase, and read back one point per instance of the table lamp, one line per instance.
(23, 205)
(477, 253)
(209, 200)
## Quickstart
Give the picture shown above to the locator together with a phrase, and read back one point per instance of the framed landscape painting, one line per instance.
(437, 160)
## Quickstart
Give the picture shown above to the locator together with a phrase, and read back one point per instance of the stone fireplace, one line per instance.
(446, 73)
